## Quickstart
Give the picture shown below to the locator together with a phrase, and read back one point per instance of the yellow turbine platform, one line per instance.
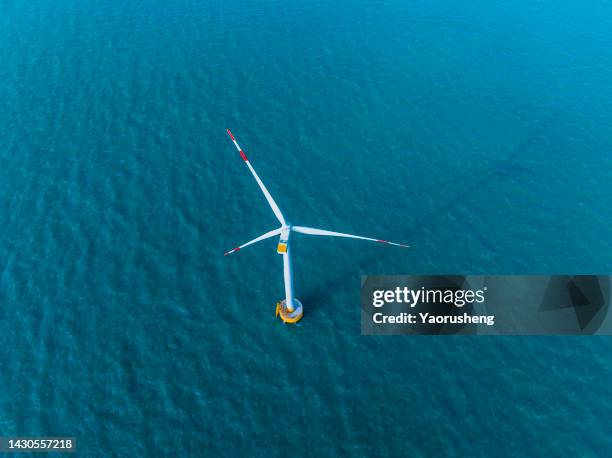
(287, 316)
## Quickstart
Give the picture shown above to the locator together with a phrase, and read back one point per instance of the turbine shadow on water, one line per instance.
(313, 296)
(466, 184)
(502, 167)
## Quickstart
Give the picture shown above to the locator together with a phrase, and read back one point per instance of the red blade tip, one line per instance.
(229, 132)
(231, 251)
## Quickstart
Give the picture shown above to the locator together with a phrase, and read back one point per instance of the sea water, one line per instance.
(478, 132)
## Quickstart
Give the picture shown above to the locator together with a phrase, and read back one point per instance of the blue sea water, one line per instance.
(479, 132)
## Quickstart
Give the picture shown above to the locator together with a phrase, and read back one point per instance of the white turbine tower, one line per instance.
(290, 309)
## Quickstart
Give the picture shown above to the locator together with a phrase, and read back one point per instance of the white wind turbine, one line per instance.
(290, 309)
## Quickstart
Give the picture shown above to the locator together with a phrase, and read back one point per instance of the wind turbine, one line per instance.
(290, 309)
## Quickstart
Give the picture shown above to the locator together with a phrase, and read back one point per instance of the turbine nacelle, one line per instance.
(283, 240)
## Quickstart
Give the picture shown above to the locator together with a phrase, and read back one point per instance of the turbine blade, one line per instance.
(261, 237)
(262, 186)
(313, 231)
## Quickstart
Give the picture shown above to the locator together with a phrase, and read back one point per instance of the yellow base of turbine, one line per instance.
(287, 316)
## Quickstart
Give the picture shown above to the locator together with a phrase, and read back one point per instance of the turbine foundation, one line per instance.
(287, 316)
